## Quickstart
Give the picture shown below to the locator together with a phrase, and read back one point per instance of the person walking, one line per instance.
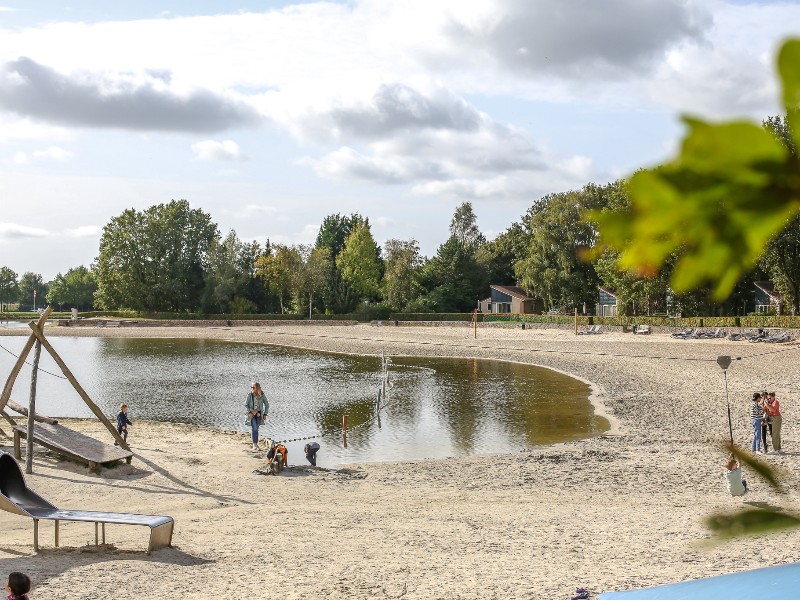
(756, 414)
(774, 409)
(257, 409)
(122, 423)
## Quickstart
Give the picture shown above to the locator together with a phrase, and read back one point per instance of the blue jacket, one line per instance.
(123, 420)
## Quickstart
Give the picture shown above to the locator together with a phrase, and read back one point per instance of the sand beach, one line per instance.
(622, 510)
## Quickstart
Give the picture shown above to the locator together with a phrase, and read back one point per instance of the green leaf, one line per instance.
(760, 467)
(750, 522)
(789, 70)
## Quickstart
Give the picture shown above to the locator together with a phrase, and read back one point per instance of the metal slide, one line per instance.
(16, 497)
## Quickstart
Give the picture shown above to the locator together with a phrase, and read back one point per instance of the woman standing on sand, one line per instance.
(756, 415)
(257, 409)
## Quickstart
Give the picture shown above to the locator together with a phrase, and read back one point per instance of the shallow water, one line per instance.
(434, 407)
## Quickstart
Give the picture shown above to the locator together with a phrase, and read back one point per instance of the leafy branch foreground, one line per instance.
(752, 521)
(716, 205)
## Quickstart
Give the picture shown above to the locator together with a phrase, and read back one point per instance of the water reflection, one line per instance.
(436, 407)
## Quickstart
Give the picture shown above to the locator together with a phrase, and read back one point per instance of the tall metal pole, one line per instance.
(730, 421)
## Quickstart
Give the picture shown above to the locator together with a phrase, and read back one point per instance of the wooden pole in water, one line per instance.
(32, 409)
(344, 430)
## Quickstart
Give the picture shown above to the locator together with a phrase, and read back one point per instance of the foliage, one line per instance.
(76, 288)
(335, 229)
(553, 269)
(497, 257)
(279, 270)
(464, 227)
(456, 280)
(314, 273)
(400, 279)
(30, 283)
(9, 290)
(431, 316)
(155, 259)
(359, 262)
(732, 187)
(781, 258)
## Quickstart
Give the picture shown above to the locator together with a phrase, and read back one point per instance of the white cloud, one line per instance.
(85, 231)
(382, 221)
(54, 153)
(12, 231)
(216, 150)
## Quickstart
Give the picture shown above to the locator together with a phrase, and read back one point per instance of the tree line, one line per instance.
(173, 258)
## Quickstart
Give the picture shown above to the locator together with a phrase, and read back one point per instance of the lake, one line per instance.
(434, 407)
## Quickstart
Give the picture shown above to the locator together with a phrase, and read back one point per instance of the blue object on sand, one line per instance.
(770, 583)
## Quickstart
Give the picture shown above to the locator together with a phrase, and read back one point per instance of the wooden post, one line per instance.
(344, 430)
(81, 392)
(32, 409)
(21, 360)
(576, 320)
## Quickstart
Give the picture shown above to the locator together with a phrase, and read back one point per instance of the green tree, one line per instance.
(75, 289)
(400, 279)
(464, 227)
(228, 271)
(359, 263)
(9, 289)
(498, 256)
(455, 279)
(30, 283)
(155, 260)
(279, 270)
(314, 273)
(554, 268)
(715, 206)
(781, 259)
(335, 229)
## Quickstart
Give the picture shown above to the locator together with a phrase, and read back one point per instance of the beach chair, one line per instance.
(590, 330)
(710, 335)
(778, 338)
(685, 334)
(641, 329)
(597, 330)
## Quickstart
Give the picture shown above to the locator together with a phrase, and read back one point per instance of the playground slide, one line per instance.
(770, 583)
(16, 497)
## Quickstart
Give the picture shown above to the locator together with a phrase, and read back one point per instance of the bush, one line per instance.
(431, 316)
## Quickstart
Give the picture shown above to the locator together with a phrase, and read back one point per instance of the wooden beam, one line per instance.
(38, 417)
(32, 409)
(21, 359)
(81, 392)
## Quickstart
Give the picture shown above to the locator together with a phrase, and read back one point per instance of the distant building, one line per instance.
(767, 299)
(509, 299)
(606, 303)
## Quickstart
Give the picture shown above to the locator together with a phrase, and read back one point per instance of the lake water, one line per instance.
(434, 408)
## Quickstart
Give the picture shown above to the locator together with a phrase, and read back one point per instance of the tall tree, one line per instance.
(554, 268)
(279, 271)
(781, 259)
(224, 273)
(359, 262)
(498, 256)
(30, 284)
(337, 295)
(314, 273)
(9, 289)
(155, 259)
(400, 280)
(464, 227)
(75, 289)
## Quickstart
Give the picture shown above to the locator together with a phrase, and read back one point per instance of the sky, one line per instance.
(272, 115)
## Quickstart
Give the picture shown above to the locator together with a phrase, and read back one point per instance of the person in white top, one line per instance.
(733, 477)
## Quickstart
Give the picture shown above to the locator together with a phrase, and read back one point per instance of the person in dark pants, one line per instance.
(311, 452)
(122, 423)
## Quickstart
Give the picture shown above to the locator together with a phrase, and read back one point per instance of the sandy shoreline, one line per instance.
(618, 511)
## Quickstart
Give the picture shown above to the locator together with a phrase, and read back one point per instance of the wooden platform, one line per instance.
(71, 444)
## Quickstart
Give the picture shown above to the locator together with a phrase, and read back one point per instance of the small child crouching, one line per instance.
(733, 477)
